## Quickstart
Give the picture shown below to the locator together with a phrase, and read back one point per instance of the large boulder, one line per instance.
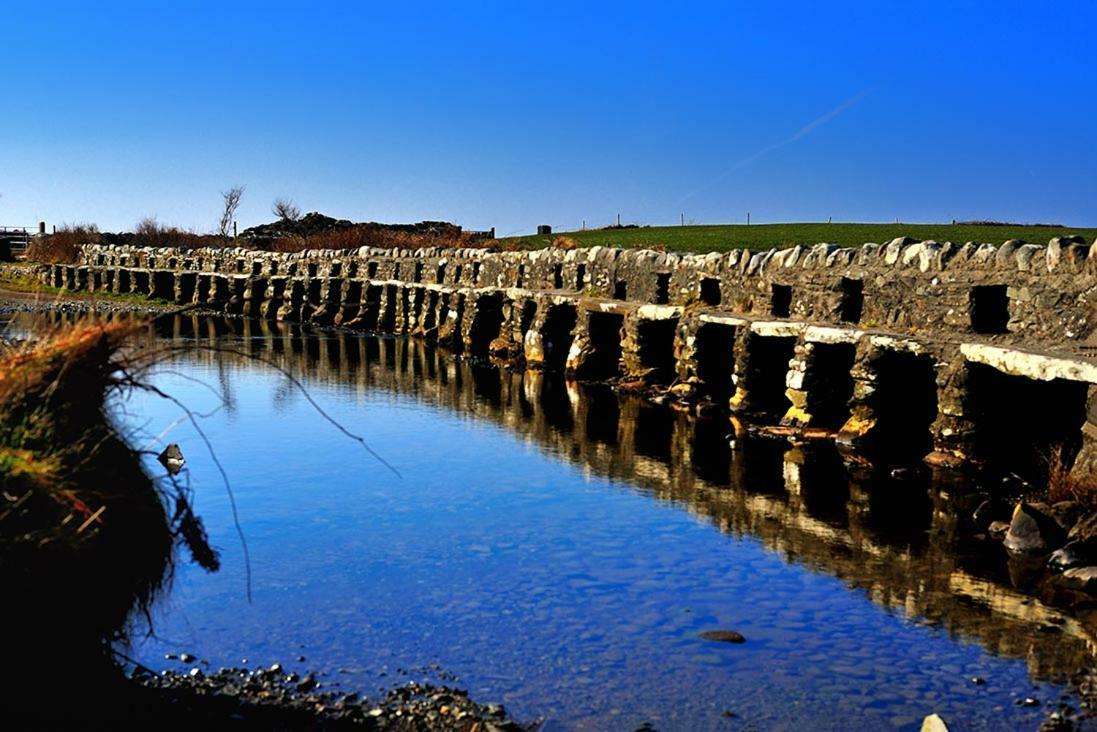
(1031, 531)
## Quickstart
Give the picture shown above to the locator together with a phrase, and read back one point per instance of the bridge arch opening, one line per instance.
(767, 364)
(904, 403)
(1019, 421)
(655, 339)
(486, 323)
(829, 383)
(557, 335)
(604, 331)
(714, 350)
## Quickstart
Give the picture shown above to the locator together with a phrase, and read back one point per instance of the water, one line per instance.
(559, 549)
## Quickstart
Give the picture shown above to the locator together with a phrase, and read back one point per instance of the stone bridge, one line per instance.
(958, 354)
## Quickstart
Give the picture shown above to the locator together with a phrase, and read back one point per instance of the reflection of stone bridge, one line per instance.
(951, 352)
(898, 541)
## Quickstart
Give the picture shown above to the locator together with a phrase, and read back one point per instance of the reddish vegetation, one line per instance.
(1063, 484)
(63, 245)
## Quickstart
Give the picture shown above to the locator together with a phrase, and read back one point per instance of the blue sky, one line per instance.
(512, 114)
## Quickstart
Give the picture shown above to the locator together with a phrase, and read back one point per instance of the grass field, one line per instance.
(764, 236)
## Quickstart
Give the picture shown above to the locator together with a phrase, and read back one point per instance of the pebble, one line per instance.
(723, 636)
(413, 705)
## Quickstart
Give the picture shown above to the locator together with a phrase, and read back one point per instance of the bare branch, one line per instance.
(286, 209)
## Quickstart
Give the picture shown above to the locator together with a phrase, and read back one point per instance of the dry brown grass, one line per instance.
(151, 233)
(1066, 484)
(365, 236)
(63, 246)
(564, 242)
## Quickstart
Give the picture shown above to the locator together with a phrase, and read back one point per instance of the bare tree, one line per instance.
(231, 199)
(285, 209)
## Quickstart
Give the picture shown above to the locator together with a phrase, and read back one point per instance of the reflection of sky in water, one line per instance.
(561, 595)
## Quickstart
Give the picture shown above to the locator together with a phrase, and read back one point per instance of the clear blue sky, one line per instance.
(512, 114)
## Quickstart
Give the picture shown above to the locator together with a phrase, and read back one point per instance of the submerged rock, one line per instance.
(1031, 531)
(723, 636)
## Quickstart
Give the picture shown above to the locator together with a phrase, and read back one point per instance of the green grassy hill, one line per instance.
(764, 236)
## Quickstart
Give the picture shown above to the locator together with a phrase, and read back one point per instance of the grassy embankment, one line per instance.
(86, 535)
(721, 238)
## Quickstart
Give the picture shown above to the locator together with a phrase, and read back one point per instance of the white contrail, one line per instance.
(801, 133)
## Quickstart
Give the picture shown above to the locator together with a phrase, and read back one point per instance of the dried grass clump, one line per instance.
(1066, 484)
(151, 233)
(63, 246)
(564, 242)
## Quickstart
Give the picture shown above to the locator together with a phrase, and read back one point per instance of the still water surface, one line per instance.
(559, 549)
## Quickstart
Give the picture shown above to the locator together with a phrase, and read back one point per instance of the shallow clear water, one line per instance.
(559, 550)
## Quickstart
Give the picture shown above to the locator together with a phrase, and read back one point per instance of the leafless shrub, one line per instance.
(285, 209)
(151, 233)
(230, 202)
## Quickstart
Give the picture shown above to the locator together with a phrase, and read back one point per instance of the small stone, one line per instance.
(170, 656)
(997, 530)
(276, 668)
(172, 458)
(186, 658)
(934, 723)
(1028, 701)
(978, 680)
(723, 636)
